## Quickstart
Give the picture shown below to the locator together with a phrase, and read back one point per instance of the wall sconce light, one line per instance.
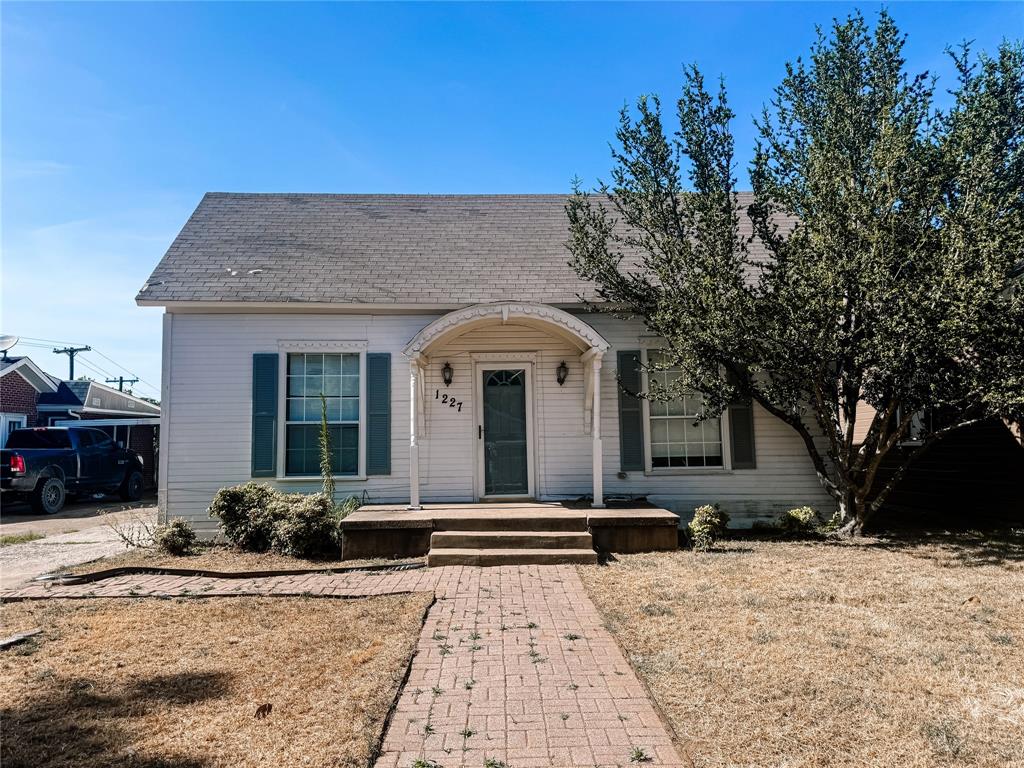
(562, 373)
(447, 373)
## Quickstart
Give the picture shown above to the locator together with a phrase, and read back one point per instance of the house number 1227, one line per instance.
(451, 402)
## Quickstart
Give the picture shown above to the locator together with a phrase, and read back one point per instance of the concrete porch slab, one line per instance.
(392, 530)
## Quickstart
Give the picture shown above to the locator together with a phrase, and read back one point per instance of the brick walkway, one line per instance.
(513, 665)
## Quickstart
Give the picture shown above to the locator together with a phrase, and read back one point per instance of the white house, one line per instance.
(450, 339)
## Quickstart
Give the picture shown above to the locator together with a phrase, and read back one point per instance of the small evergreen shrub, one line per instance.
(307, 526)
(833, 524)
(247, 516)
(708, 524)
(801, 521)
(176, 538)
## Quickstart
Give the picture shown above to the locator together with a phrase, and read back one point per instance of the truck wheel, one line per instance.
(131, 488)
(48, 496)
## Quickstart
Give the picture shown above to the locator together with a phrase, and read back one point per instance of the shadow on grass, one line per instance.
(971, 548)
(80, 721)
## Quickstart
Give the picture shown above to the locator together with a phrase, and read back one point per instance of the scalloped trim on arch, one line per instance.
(461, 320)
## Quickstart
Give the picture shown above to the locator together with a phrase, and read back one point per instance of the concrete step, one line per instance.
(437, 557)
(543, 521)
(510, 540)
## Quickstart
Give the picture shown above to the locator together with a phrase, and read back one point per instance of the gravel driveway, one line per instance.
(80, 533)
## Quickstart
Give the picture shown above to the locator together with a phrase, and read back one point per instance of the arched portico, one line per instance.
(556, 322)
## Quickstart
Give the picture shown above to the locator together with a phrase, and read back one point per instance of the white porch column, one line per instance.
(595, 432)
(414, 445)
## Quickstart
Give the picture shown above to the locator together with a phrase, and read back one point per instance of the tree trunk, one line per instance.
(852, 514)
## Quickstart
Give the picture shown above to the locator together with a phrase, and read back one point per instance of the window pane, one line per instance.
(350, 365)
(333, 409)
(296, 365)
(296, 409)
(350, 409)
(332, 365)
(314, 365)
(675, 430)
(350, 385)
(314, 386)
(675, 408)
(332, 386)
(659, 430)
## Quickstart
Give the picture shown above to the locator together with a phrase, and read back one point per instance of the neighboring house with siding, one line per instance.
(91, 400)
(450, 338)
(22, 382)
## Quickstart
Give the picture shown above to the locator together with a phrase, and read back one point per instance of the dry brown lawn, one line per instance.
(177, 683)
(878, 653)
(220, 558)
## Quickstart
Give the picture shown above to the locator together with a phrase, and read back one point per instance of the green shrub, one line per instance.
(833, 524)
(708, 524)
(245, 515)
(348, 506)
(801, 521)
(307, 526)
(176, 538)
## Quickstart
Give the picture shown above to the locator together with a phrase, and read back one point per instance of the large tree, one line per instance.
(873, 265)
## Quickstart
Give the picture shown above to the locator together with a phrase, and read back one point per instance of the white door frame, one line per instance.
(6, 420)
(479, 479)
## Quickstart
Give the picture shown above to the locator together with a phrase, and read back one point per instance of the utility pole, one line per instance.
(71, 352)
(121, 381)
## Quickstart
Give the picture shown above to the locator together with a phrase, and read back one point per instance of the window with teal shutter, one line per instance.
(378, 413)
(631, 420)
(264, 414)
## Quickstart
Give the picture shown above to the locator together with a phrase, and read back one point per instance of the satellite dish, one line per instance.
(6, 342)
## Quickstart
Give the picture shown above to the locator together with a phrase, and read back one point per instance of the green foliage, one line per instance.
(708, 524)
(307, 527)
(245, 515)
(176, 538)
(801, 521)
(881, 269)
(347, 506)
(256, 517)
(326, 454)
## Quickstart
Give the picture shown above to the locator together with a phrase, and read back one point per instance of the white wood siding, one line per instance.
(208, 381)
(784, 477)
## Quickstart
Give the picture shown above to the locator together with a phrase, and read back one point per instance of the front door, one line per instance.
(505, 433)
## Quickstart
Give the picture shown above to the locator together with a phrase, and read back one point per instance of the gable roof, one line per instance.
(93, 397)
(431, 250)
(39, 379)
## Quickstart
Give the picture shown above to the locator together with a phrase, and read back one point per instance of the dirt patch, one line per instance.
(221, 558)
(218, 682)
(875, 653)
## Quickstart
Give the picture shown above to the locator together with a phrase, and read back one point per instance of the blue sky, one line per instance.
(118, 117)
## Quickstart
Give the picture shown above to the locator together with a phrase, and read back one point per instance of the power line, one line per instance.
(28, 341)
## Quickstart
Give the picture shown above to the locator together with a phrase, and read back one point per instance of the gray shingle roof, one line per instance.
(370, 249)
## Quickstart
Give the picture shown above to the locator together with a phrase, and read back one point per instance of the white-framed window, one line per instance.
(339, 376)
(10, 423)
(675, 439)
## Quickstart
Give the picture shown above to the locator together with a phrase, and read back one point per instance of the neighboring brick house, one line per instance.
(21, 384)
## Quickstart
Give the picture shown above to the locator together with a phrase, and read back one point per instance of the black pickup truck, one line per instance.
(48, 464)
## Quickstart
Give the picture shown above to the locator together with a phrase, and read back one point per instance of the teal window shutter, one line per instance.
(378, 413)
(631, 415)
(741, 434)
(264, 414)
